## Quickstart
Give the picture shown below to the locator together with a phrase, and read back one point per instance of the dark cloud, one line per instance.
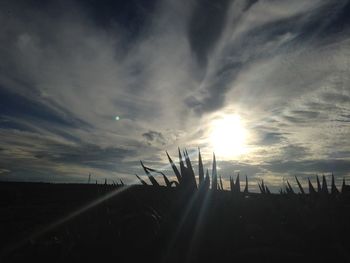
(253, 45)
(36, 158)
(344, 120)
(154, 137)
(319, 106)
(302, 116)
(231, 168)
(294, 152)
(335, 98)
(234, 58)
(346, 116)
(34, 108)
(272, 138)
(339, 154)
(305, 114)
(205, 26)
(213, 95)
(340, 21)
(336, 166)
(132, 16)
(315, 26)
(85, 154)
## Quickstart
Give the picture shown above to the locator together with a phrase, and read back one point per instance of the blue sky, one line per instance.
(167, 68)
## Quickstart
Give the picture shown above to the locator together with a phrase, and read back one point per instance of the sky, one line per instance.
(96, 86)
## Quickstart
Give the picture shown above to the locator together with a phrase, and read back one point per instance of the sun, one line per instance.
(228, 136)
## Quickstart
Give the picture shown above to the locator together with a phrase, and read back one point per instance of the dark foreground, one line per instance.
(101, 223)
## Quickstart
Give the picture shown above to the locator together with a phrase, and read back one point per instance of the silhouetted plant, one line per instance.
(186, 179)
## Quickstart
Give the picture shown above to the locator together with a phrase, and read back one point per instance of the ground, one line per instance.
(76, 222)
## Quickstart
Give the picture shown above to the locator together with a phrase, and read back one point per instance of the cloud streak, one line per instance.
(166, 69)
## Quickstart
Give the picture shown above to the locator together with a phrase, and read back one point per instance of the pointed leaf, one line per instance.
(246, 185)
(150, 177)
(221, 184)
(190, 172)
(141, 180)
(263, 186)
(267, 190)
(311, 187)
(324, 185)
(319, 188)
(232, 184)
(290, 189)
(182, 166)
(237, 184)
(207, 181)
(334, 189)
(176, 171)
(214, 180)
(200, 168)
(166, 180)
(299, 185)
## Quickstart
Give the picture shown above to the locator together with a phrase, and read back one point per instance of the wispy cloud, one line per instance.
(69, 69)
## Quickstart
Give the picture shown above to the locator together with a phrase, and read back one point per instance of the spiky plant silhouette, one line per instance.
(186, 180)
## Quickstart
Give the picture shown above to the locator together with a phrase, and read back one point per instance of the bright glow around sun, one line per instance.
(228, 136)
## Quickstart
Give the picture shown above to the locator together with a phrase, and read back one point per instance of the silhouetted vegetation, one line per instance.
(192, 219)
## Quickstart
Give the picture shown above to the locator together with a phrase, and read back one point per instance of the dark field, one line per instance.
(38, 222)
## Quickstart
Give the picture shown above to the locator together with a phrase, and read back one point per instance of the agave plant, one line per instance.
(263, 188)
(334, 189)
(312, 190)
(300, 187)
(185, 175)
(236, 185)
(186, 179)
